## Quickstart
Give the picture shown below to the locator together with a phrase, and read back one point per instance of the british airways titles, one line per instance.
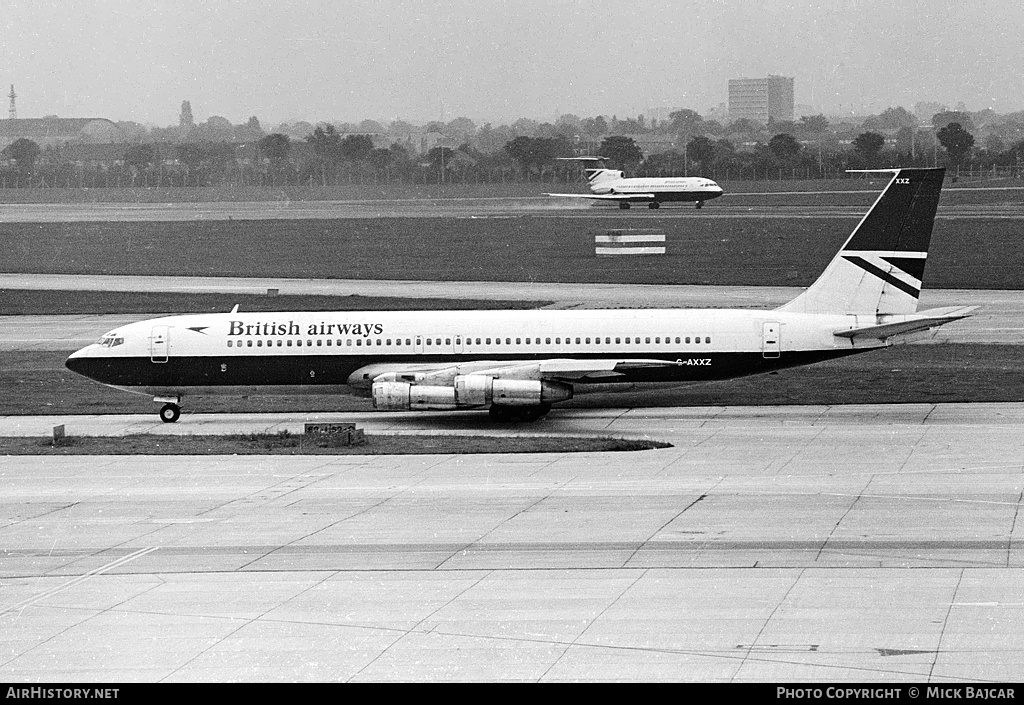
(292, 328)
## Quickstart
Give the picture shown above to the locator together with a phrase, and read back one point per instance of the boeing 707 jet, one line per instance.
(517, 364)
(612, 185)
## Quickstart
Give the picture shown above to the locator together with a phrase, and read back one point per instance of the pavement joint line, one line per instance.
(78, 580)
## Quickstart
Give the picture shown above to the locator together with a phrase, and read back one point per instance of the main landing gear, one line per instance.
(654, 205)
(700, 204)
(624, 205)
(518, 413)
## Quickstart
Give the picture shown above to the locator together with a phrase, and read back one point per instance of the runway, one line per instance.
(818, 204)
(788, 544)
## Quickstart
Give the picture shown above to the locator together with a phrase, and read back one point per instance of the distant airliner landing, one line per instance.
(611, 185)
(517, 364)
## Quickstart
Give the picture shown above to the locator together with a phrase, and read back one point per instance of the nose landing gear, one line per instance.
(169, 413)
(171, 410)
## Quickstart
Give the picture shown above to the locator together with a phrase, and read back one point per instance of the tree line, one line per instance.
(326, 156)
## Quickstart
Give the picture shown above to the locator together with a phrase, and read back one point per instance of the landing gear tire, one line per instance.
(654, 205)
(700, 204)
(528, 414)
(169, 413)
(624, 205)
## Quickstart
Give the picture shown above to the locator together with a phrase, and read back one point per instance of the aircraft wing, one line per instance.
(566, 370)
(928, 319)
(607, 196)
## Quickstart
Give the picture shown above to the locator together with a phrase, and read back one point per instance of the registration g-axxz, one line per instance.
(517, 364)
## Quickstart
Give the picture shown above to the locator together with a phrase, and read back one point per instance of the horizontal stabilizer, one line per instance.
(923, 321)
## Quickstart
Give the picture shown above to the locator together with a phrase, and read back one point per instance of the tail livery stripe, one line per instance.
(884, 275)
(914, 266)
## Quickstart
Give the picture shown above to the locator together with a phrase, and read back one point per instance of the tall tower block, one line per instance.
(12, 112)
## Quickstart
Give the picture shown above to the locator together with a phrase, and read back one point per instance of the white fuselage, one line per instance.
(692, 188)
(339, 351)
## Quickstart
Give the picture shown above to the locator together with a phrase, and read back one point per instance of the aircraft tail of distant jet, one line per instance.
(879, 269)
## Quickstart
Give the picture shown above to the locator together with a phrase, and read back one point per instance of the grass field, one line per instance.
(24, 302)
(288, 444)
(965, 253)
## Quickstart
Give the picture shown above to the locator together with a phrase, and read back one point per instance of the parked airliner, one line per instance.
(517, 364)
(612, 185)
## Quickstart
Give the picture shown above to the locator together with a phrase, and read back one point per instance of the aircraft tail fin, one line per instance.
(880, 268)
(596, 173)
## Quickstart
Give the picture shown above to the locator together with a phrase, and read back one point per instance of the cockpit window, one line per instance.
(110, 341)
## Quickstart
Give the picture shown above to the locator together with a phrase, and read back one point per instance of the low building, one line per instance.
(54, 131)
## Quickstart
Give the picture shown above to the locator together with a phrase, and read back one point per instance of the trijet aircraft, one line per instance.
(613, 185)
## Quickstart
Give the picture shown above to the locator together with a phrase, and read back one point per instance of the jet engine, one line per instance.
(467, 391)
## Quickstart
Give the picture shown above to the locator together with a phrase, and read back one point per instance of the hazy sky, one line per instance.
(496, 60)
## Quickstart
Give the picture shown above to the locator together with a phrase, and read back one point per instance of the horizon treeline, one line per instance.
(217, 153)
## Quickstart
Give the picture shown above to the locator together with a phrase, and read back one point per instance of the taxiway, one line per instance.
(790, 544)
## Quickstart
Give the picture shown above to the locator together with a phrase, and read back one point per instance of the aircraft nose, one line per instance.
(80, 362)
(75, 362)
